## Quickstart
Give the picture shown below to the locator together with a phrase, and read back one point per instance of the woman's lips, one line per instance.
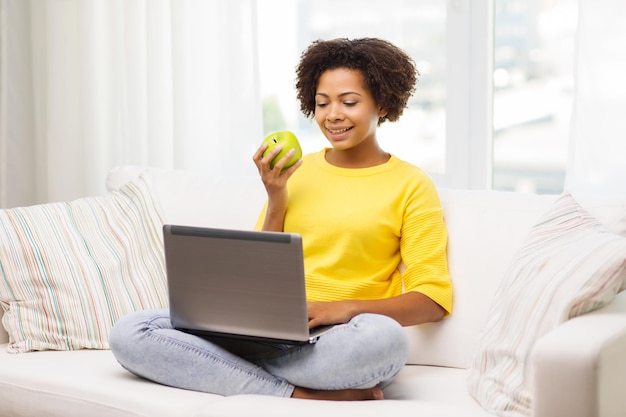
(338, 133)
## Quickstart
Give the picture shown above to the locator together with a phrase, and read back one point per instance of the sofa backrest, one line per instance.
(188, 198)
(485, 230)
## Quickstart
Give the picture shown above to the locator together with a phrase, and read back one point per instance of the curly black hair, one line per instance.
(390, 74)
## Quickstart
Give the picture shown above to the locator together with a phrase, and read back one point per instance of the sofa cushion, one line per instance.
(568, 265)
(91, 383)
(70, 270)
(485, 228)
(84, 383)
(195, 199)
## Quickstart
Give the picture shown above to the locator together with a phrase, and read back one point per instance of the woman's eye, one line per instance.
(321, 105)
(350, 103)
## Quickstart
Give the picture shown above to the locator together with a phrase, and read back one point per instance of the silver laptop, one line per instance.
(234, 283)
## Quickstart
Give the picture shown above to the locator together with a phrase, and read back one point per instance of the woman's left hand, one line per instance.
(407, 309)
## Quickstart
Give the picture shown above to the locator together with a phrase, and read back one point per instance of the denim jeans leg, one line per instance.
(366, 352)
(146, 344)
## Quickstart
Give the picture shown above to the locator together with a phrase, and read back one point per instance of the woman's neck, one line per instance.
(359, 157)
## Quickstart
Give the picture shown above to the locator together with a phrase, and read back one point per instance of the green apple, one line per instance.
(288, 141)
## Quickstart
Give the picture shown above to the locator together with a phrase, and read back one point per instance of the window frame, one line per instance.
(469, 95)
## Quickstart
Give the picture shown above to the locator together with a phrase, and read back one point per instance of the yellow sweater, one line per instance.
(359, 225)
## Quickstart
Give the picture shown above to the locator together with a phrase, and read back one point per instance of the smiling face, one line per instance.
(345, 110)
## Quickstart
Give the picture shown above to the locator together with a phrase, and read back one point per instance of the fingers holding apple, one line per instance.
(264, 156)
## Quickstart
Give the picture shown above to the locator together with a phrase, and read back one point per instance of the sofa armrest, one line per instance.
(580, 367)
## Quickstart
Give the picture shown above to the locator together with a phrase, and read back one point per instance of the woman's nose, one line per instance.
(334, 113)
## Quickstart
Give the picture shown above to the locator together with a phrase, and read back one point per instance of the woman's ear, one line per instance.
(382, 112)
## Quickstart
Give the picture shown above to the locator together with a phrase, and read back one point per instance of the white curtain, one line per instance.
(86, 85)
(597, 160)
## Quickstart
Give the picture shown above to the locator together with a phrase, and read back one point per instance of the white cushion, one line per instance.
(569, 265)
(91, 383)
(485, 228)
(70, 270)
(83, 383)
(194, 199)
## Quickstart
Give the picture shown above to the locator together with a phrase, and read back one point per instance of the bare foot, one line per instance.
(339, 395)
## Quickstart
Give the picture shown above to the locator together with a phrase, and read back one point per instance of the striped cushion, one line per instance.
(68, 271)
(568, 265)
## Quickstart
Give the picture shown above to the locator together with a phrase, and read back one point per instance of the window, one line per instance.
(533, 86)
(492, 104)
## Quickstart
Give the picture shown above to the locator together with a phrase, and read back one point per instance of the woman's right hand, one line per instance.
(275, 182)
(274, 178)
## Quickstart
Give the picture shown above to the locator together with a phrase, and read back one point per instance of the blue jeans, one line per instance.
(366, 352)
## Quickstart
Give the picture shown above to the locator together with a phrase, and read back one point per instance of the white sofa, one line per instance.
(580, 367)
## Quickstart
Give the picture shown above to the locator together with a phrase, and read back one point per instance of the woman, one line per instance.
(361, 213)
